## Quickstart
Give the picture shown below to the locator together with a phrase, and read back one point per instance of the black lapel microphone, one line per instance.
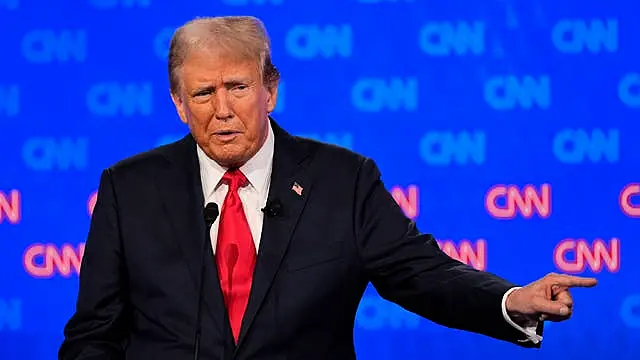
(210, 215)
(273, 208)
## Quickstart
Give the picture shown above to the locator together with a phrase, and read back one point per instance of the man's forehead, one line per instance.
(219, 55)
(230, 73)
(227, 71)
(219, 63)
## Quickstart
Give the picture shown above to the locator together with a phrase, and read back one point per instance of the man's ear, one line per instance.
(273, 96)
(179, 104)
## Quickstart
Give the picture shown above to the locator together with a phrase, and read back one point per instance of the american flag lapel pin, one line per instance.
(297, 188)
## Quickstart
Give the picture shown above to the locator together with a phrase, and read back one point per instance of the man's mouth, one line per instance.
(226, 135)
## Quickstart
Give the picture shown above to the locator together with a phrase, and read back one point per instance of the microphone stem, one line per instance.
(197, 345)
(210, 215)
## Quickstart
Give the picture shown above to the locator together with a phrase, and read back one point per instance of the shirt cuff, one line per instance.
(529, 330)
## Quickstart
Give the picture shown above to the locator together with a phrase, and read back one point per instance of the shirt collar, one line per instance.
(257, 169)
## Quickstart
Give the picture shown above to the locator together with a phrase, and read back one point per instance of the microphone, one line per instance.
(273, 208)
(210, 215)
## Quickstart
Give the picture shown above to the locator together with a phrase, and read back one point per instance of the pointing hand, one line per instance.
(546, 299)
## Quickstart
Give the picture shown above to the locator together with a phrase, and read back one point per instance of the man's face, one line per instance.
(225, 104)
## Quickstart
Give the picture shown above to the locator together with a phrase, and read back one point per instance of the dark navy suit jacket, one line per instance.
(138, 293)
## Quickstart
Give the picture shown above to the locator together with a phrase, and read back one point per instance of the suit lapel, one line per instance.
(289, 168)
(181, 191)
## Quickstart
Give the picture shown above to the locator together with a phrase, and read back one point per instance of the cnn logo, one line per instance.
(10, 207)
(627, 204)
(579, 255)
(472, 253)
(509, 201)
(46, 260)
(408, 199)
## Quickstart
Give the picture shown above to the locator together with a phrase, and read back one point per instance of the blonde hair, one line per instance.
(244, 37)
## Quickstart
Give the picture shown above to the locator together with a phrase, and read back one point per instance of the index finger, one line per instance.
(574, 281)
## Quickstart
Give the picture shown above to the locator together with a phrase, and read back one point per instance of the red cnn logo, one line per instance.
(528, 201)
(10, 207)
(472, 254)
(91, 202)
(596, 256)
(408, 199)
(45, 260)
(627, 207)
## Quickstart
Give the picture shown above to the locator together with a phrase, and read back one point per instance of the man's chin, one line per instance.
(230, 159)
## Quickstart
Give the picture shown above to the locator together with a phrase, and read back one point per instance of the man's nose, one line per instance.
(222, 107)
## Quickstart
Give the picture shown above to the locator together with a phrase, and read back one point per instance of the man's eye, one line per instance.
(203, 93)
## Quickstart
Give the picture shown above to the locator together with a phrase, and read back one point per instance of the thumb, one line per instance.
(549, 307)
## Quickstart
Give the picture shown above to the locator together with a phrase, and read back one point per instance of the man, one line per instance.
(303, 227)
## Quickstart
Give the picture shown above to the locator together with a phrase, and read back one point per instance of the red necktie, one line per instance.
(235, 252)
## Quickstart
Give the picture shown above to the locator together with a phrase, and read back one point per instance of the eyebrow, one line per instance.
(237, 80)
(228, 82)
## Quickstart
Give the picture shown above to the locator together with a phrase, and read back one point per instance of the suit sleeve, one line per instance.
(98, 328)
(409, 269)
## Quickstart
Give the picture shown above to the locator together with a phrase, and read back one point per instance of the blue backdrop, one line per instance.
(509, 129)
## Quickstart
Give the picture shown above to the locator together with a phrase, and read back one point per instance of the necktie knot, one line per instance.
(235, 179)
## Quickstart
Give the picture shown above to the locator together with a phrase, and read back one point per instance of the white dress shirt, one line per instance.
(254, 198)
